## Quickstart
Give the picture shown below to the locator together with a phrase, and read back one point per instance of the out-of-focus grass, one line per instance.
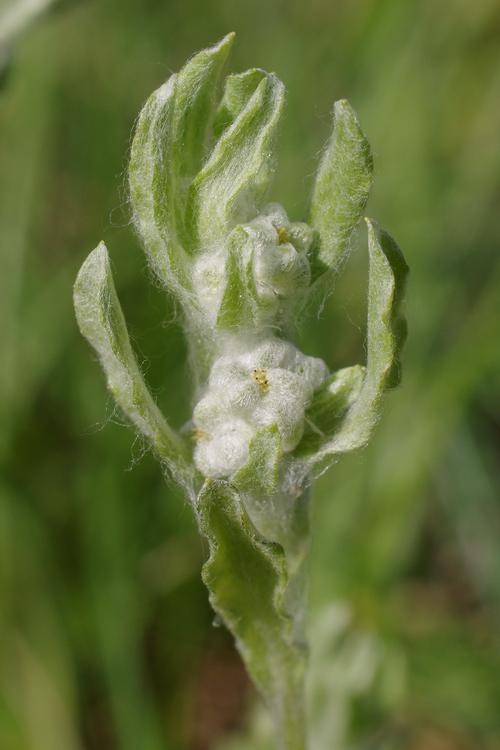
(105, 632)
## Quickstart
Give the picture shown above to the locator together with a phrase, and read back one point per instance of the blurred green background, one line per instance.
(106, 637)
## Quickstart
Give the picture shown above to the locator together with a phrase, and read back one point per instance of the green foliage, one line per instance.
(106, 634)
(342, 187)
(248, 579)
(329, 407)
(238, 172)
(166, 154)
(385, 337)
(101, 321)
(239, 297)
(229, 259)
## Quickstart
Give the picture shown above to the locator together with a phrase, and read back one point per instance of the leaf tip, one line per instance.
(386, 254)
(92, 272)
(223, 46)
(228, 39)
(378, 238)
(343, 107)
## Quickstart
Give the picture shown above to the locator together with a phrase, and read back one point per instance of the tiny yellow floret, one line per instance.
(198, 434)
(259, 374)
(283, 235)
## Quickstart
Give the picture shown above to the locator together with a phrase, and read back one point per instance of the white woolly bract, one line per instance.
(253, 384)
(272, 256)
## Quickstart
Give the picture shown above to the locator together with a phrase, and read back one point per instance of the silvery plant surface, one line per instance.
(267, 417)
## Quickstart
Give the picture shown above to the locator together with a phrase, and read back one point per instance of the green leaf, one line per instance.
(237, 91)
(386, 336)
(228, 189)
(341, 190)
(238, 304)
(280, 516)
(329, 406)
(387, 327)
(260, 473)
(279, 510)
(195, 96)
(166, 154)
(257, 483)
(247, 580)
(101, 321)
(150, 193)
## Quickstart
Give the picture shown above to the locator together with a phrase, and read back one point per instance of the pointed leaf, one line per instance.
(247, 579)
(150, 193)
(101, 321)
(234, 181)
(238, 302)
(166, 154)
(237, 91)
(386, 335)
(341, 190)
(386, 324)
(195, 94)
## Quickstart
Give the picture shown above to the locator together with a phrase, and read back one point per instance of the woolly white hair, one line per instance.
(257, 384)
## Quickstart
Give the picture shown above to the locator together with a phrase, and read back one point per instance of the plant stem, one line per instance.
(291, 720)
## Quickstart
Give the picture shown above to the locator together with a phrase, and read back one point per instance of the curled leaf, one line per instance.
(238, 304)
(167, 152)
(385, 338)
(230, 186)
(101, 321)
(238, 89)
(341, 189)
(195, 97)
(329, 406)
